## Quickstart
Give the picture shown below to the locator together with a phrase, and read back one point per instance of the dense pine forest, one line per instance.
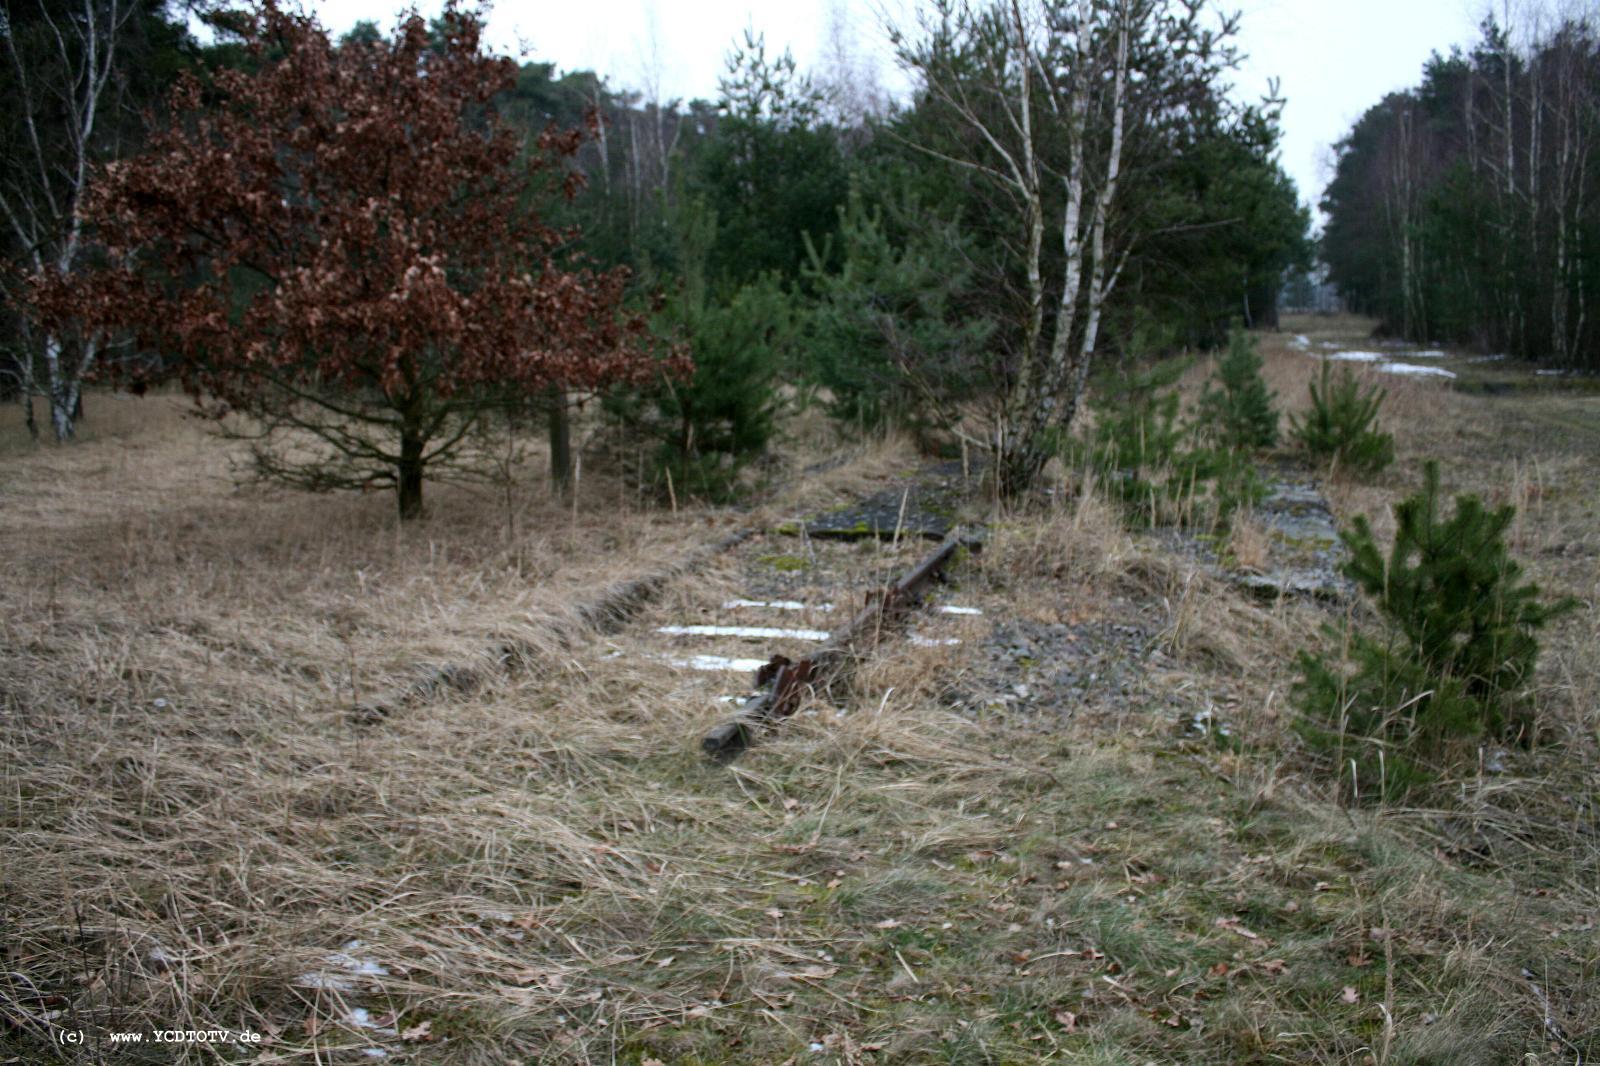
(1466, 209)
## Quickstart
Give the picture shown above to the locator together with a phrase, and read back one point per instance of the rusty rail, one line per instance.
(783, 681)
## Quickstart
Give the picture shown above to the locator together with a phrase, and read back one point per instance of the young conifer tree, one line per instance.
(1460, 631)
(1236, 402)
(1341, 424)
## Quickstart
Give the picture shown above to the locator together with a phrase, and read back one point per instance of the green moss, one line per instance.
(785, 563)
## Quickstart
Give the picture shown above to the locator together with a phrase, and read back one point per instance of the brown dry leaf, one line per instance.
(1350, 995)
(1358, 958)
(813, 973)
(662, 964)
(1067, 1020)
(420, 1031)
(835, 883)
(792, 849)
(889, 923)
(1219, 970)
(790, 804)
(1275, 967)
(651, 1062)
(1233, 925)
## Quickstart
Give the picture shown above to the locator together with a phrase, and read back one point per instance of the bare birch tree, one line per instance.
(1061, 101)
(61, 60)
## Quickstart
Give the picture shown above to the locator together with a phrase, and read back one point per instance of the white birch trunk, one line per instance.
(48, 217)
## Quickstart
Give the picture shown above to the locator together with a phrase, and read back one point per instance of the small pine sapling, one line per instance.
(1340, 424)
(889, 334)
(709, 425)
(1236, 404)
(1458, 645)
(1136, 434)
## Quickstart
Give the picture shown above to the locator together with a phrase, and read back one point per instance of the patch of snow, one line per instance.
(1414, 370)
(776, 605)
(1206, 721)
(1488, 359)
(350, 967)
(1431, 353)
(1358, 357)
(759, 632)
(950, 608)
(1540, 373)
(718, 662)
(931, 642)
(1300, 340)
(361, 1018)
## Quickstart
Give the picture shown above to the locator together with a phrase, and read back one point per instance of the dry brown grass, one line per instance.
(201, 835)
(199, 821)
(1248, 542)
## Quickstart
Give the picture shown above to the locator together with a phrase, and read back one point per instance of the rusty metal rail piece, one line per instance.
(784, 681)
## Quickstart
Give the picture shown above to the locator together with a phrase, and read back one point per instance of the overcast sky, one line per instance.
(1334, 58)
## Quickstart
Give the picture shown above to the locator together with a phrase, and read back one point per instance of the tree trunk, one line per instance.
(409, 483)
(560, 443)
(1021, 460)
(66, 405)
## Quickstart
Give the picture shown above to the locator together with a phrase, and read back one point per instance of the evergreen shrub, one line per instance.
(1236, 405)
(1340, 424)
(1456, 649)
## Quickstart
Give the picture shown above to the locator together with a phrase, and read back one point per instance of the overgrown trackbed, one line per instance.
(812, 597)
(1084, 832)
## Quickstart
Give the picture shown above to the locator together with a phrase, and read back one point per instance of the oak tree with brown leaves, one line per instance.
(346, 246)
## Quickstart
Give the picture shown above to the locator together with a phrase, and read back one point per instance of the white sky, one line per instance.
(1335, 58)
